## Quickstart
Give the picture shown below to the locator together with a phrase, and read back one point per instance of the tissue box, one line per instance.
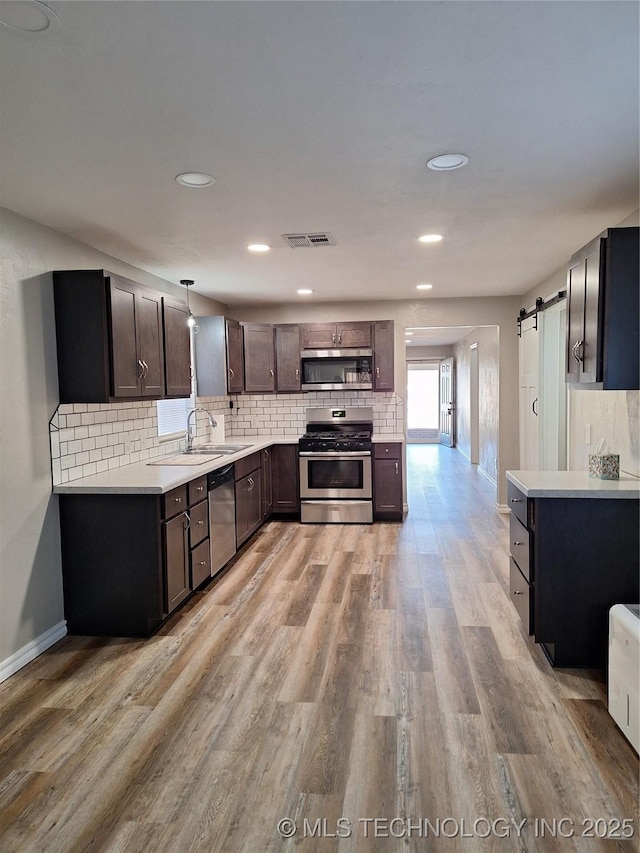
(604, 466)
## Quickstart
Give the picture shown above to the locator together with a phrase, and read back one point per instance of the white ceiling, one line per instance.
(319, 116)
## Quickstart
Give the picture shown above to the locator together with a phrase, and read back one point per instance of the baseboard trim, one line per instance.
(487, 476)
(31, 651)
(503, 508)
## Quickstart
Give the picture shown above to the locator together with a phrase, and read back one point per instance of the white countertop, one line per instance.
(573, 484)
(378, 438)
(142, 478)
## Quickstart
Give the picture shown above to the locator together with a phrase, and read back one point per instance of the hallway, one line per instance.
(333, 673)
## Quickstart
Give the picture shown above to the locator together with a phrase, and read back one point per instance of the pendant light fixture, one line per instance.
(191, 320)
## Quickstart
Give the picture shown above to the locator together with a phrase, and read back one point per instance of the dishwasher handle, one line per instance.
(219, 477)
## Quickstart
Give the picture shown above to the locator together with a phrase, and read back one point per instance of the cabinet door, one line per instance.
(387, 490)
(127, 371)
(267, 490)
(584, 314)
(319, 336)
(248, 506)
(287, 357)
(176, 561)
(383, 356)
(259, 357)
(235, 358)
(285, 478)
(353, 334)
(150, 343)
(177, 348)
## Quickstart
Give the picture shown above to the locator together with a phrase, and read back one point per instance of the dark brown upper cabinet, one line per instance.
(111, 339)
(602, 312)
(235, 357)
(259, 357)
(177, 348)
(383, 355)
(336, 335)
(219, 356)
(287, 357)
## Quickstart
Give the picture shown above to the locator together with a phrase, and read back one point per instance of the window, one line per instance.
(172, 416)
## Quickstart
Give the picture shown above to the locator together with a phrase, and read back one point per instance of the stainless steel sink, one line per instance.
(224, 449)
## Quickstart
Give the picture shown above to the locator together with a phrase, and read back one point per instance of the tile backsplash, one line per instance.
(89, 438)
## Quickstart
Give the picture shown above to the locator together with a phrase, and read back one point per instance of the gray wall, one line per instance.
(485, 311)
(30, 565)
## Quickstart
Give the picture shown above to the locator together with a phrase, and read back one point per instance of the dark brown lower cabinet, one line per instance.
(572, 559)
(267, 489)
(128, 561)
(285, 486)
(248, 505)
(387, 481)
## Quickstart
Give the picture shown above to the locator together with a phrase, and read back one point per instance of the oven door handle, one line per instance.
(336, 454)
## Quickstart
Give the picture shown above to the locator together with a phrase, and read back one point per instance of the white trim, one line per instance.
(503, 509)
(486, 476)
(31, 651)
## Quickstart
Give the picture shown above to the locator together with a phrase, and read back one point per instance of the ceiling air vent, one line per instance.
(319, 238)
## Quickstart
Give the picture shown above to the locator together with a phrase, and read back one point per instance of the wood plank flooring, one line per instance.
(335, 675)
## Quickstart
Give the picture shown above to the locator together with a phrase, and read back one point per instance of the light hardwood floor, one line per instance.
(334, 673)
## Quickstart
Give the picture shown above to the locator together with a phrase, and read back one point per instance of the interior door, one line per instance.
(447, 403)
(529, 396)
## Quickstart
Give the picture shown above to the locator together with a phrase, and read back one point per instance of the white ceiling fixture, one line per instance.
(301, 241)
(195, 180)
(259, 247)
(430, 238)
(447, 162)
(408, 332)
(304, 291)
(29, 17)
(424, 286)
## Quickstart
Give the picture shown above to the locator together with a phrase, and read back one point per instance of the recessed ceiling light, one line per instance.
(447, 162)
(408, 341)
(408, 332)
(195, 180)
(430, 238)
(258, 247)
(31, 17)
(423, 287)
(304, 292)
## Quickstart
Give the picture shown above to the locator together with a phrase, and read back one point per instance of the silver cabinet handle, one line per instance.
(186, 515)
(518, 543)
(518, 592)
(271, 373)
(146, 369)
(266, 454)
(333, 338)
(516, 500)
(397, 470)
(231, 372)
(574, 350)
(377, 373)
(141, 365)
(297, 374)
(202, 563)
(178, 500)
(201, 522)
(251, 484)
(339, 339)
(533, 407)
(199, 488)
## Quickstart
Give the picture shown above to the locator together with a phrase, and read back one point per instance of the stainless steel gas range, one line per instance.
(335, 466)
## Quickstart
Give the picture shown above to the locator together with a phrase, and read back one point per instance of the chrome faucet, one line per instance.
(189, 436)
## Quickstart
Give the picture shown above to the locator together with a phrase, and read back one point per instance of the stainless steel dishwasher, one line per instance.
(222, 517)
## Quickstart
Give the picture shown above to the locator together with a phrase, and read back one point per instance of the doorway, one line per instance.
(423, 402)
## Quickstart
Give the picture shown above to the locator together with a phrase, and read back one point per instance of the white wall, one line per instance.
(30, 564)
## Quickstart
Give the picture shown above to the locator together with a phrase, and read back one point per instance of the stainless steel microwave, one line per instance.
(336, 369)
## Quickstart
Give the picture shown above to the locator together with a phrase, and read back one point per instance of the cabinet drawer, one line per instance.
(200, 564)
(520, 594)
(175, 501)
(247, 465)
(519, 545)
(197, 490)
(517, 502)
(384, 450)
(199, 528)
